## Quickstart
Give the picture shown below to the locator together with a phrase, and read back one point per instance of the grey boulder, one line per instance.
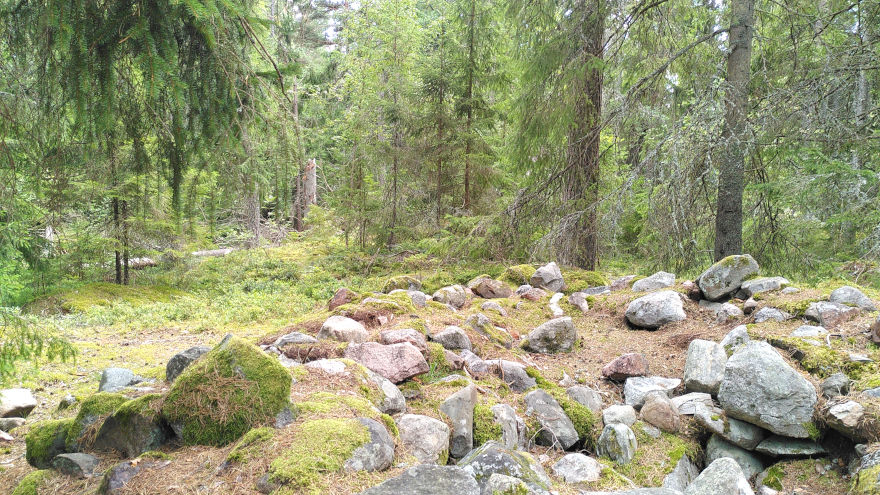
(16, 402)
(557, 430)
(556, 335)
(768, 314)
(343, 329)
(718, 448)
(722, 476)
(77, 464)
(116, 379)
(735, 339)
(704, 367)
(659, 280)
(548, 277)
(426, 438)
(851, 296)
(726, 276)
(577, 468)
(636, 389)
(619, 413)
(779, 446)
(513, 429)
(492, 458)
(617, 442)
(375, 455)
(452, 295)
(459, 408)
(655, 309)
(759, 387)
(181, 360)
(761, 284)
(453, 338)
(586, 396)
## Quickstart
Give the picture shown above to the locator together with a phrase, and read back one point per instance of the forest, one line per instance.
(448, 247)
(644, 133)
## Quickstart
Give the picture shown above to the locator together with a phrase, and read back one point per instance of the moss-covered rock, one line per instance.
(404, 282)
(30, 484)
(866, 481)
(46, 440)
(135, 427)
(518, 274)
(92, 411)
(320, 448)
(227, 392)
(584, 420)
(578, 280)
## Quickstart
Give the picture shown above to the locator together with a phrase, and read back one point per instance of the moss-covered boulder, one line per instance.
(30, 484)
(227, 392)
(404, 282)
(92, 412)
(46, 440)
(518, 274)
(135, 427)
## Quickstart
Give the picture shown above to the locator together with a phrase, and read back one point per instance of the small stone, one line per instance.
(704, 367)
(735, 339)
(661, 412)
(294, 338)
(790, 290)
(493, 306)
(718, 448)
(617, 442)
(726, 276)
(761, 284)
(453, 295)
(636, 389)
(626, 366)
(619, 413)
(119, 475)
(622, 282)
(579, 300)
(684, 472)
(513, 428)
(767, 314)
(534, 294)
(489, 288)
(342, 296)
(410, 335)
(427, 478)
(475, 366)
(687, 403)
(375, 455)
(8, 424)
(845, 417)
(513, 374)
(396, 362)
(77, 464)
(577, 468)
(859, 358)
(779, 446)
(722, 476)
(836, 385)
(392, 400)
(830, 314)
(329, 366)
(452, 337)
(492, 458)
(809, 331)
(481, 324)
(586, 396)
(555, 309)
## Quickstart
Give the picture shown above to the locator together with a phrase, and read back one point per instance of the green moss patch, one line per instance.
(250, 443)
(324, 403)
(485, 426)
(46, 440)
(518, 274)
(224, 394)
(86, 296)
(823, 361)
(30, 484)
(865, 482)
(578, 280)
(321, 447)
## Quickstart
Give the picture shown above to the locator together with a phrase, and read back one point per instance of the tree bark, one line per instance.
(581, 247)
(731, 182)
(469, 97)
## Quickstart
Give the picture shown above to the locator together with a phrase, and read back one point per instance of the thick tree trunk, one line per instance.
(581, 245)
(731, 182)
(125, 257)
(117, 253)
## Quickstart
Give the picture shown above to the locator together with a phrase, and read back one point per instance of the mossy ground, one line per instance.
(322, 447)
(31, 484)
(249, 445)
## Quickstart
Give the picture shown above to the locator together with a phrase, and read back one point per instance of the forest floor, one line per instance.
(263, 293)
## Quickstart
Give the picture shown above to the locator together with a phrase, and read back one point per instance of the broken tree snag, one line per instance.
(310, 185)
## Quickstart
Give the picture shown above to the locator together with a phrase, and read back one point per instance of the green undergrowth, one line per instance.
(231, 389)
(84, 297)
(578, 280)
(823, 361)
(320, 447)
(585, 421)
(31, 483)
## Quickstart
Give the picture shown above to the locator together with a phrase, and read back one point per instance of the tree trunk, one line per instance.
(125, 242)
(581, 247)
(469, 95)
(117, 253)
(731, 182)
